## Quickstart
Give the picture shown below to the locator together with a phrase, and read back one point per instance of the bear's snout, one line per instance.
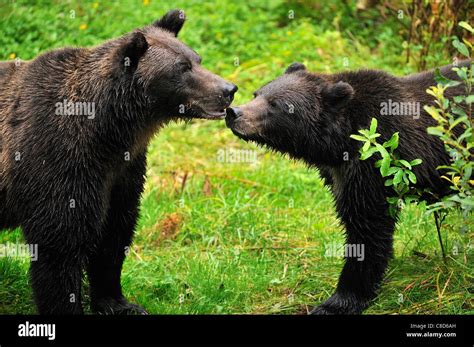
(229, 91)
(233, 113)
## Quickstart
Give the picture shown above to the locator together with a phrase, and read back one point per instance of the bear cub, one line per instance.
(311, 117)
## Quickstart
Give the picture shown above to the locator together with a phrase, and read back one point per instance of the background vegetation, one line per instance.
(251, 237)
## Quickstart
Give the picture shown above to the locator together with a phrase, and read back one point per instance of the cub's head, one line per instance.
(169, 72)
(297, 114)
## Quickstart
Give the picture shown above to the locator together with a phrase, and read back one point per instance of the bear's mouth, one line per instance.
(231, 124)
(240, 135)
(210, 108)
(211, 114)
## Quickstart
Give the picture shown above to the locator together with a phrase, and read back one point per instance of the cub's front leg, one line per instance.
(361, 205)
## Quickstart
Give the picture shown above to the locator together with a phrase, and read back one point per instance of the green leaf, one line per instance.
(358, 138)
(466, 26)
(412, 177)
(411, 198)
(452, 84)
(366, 146)
(467, 43)
(416, 162)
(467, 173)
(469, 99)
(455, 198)
(393, 170)
(457, 121)
(459, 111)
(398, 177)
(392, 200)
(367, 154)
(445, 103)
(466, 134)
(461, 47)
(434, 113)
(393, 142)
(388, 182)
(383, 152)
(373, 126)
(461, 72)
(435, 131)
(405, 179)
(458, 98)
(405, 163)
(468, 201)
(385, 166)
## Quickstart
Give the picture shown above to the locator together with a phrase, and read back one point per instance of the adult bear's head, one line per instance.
(298, 113)
(169, 72)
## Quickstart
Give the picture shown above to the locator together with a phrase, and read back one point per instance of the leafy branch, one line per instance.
(397, 172)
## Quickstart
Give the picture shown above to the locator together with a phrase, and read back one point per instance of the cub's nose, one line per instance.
(233, 112)
(229, 90)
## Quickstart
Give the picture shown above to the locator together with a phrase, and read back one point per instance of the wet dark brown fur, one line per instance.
(311, 117)
(72, 182)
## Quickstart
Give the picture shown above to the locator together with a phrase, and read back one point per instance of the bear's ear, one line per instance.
(173, 21)
(338, 94)
(130, 51)
(295, 67)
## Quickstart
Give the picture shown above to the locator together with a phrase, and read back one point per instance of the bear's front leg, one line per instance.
(56, 281)
(105, 266)
(361, 204)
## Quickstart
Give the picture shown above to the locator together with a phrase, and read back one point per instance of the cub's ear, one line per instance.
(337, 94)
(173, 21)
(130, 51)
(295, 67)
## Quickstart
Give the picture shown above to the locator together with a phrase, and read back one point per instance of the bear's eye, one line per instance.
(272, 103)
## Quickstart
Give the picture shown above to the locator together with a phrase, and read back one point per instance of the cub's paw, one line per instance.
(117, 307)
(339, 304)
(321, 311)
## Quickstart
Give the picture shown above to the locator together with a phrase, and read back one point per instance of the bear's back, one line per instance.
(28, 92)
(7, 68)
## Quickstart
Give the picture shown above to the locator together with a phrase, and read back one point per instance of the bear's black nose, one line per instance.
(229, 90)
(233, 112)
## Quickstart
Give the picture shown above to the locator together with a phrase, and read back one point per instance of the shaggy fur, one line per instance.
(311, 117)
(73, 182)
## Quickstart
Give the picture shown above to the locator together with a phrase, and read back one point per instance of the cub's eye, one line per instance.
(185, 66)
(272, 103)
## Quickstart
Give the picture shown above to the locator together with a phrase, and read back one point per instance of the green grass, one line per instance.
(217, 237)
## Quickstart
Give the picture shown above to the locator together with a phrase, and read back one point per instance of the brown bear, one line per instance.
(74, 128)
(311, 117)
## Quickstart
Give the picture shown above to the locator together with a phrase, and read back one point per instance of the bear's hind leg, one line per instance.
(65, 226)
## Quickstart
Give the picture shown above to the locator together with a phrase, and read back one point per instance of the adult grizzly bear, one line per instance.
(311, 117)
(74, 128)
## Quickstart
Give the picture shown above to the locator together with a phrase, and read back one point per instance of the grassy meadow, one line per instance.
(227, 227)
